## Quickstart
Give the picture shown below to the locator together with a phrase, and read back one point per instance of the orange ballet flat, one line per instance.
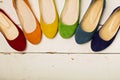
(28, 21)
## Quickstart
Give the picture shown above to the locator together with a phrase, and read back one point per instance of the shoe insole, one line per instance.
(111, 26)
(0, 0)
(92, 16)
(27, 19)
(70, 12)
(47, 9)
(7, 27)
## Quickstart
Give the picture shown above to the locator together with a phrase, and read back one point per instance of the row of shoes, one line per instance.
(67, 25)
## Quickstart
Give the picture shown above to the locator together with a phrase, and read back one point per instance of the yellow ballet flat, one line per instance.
(48, 18)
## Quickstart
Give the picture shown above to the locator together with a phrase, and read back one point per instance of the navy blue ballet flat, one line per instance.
(106, 35)
(90, 22)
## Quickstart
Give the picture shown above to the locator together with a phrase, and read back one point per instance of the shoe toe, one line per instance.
(99, 44)
(67, 31)
(19, 43)
(82, 36)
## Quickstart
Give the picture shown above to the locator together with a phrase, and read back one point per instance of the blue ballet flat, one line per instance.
(82, 36)
(98, 44)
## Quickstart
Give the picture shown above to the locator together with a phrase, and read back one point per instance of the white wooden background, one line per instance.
(59, 66)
